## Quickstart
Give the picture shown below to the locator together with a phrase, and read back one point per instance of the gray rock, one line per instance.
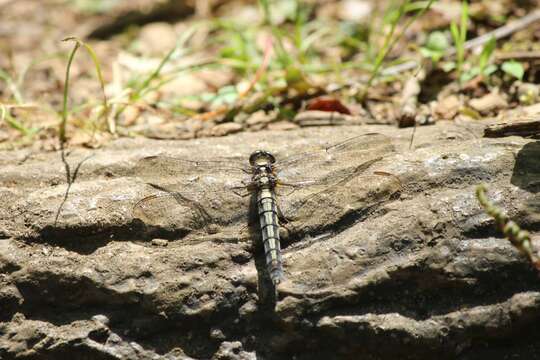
(397, 262)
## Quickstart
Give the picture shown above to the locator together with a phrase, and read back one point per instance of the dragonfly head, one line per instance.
(261, 158)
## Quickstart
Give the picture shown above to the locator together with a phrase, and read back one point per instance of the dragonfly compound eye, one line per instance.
(261, 157)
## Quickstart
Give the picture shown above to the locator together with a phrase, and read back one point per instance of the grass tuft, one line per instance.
(105, 110)
(459, 35)
(394, 17)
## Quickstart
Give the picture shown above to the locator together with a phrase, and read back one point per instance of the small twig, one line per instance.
(519, 238)
(501, 32)
(518, 56)
(412, 137)
(409, 102)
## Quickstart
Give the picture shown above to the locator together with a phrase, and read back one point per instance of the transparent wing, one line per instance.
(168, 166)
(163, 208)
(333, 164)
(204, 195)
(186, 195)
(318, 188)
(169, 212)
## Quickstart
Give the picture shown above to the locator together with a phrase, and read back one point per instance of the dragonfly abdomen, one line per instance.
(268, 216)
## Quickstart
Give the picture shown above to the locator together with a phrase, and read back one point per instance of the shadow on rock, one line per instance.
(526, 173)
(526, 176)
(70, 178)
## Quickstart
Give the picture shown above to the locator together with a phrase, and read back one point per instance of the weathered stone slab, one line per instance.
(397, 261)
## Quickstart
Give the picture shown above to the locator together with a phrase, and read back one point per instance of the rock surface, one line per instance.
(398, 261)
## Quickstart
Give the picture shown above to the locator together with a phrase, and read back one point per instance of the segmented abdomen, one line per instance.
(268, 217)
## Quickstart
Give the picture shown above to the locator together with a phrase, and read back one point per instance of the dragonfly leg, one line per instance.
(241, 191)
(244, 190)
(292, 187)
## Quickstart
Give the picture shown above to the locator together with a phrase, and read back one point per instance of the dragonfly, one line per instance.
(207, 195)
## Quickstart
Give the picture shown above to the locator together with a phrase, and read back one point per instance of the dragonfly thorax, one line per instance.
(261, 158)
(263, 170)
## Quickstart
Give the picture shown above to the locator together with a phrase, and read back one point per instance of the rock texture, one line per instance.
(397, 262)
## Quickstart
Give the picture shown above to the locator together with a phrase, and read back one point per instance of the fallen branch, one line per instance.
(525, 128)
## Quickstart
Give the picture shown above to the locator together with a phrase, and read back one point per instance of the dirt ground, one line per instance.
(180, 70)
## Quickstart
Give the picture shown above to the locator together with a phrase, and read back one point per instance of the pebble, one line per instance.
(351, 252)
(528, 93)
(157, 38)
(447, 108)
(226, 129)
(259, 117)
(184, 85)
(355, 10)
(282, 125)
(160, 242)
(489, 103)
(217, 334)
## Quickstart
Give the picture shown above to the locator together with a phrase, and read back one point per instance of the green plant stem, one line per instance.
(4, 116)
(63, 122)
(460, 36)
(144, 87)
(105, 113)
(519, 238)
(389, 43)
(265, 6)
(12, 86)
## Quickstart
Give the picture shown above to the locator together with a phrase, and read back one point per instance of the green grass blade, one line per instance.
(464, 21)
(63, 122)
(93, 56)
(267, 15)
(390, 42)
(459, 46)
(459, 35)
(486, 53)
(105, 113)
(157, 71)
(12, 86)
(5, 116)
